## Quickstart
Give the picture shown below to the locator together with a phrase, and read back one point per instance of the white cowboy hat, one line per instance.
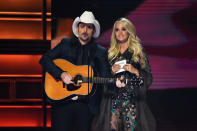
(87, 17)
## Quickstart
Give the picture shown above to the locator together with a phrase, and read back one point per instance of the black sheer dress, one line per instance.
(125, 109)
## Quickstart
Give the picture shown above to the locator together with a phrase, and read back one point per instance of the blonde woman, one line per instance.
(129, 110)
(126, 109)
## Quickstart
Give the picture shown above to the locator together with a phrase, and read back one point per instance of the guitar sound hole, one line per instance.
(77, 83)
(77, 80)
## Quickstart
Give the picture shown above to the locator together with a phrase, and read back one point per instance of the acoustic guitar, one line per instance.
(57, 90)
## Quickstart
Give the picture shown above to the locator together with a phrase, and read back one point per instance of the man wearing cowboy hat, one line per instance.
(79, 50)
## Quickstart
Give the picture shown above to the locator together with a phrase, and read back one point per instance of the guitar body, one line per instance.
(56, 90)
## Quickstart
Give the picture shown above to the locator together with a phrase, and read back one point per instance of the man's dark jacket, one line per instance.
(71, 50)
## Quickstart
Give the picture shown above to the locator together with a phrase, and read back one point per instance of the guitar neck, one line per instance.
(99, 80)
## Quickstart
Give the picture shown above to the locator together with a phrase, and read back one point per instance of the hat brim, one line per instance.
(95, 23)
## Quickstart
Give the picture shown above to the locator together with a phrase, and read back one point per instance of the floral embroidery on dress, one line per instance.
(124, 100)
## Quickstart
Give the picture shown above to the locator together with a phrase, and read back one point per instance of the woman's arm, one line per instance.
(145, 70)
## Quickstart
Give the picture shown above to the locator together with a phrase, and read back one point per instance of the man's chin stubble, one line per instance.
(84, 40)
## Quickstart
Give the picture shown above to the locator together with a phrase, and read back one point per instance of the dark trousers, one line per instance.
(72, 116)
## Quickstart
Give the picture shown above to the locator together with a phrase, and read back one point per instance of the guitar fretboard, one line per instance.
(99, 80)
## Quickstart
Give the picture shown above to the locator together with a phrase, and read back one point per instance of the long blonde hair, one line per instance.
(133, 41)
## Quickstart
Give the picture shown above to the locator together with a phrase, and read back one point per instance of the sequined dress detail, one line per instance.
(124, 100)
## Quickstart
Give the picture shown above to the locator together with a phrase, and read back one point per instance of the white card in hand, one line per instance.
(121, 63)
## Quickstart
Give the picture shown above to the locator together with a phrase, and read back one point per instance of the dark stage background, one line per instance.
(167, 30)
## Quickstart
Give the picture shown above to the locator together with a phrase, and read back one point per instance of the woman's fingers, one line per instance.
(115, 68)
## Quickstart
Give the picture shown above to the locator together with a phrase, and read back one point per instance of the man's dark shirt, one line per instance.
(71, 50)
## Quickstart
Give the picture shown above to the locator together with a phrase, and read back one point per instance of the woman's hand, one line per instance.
(132, 69)
(115, 68)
